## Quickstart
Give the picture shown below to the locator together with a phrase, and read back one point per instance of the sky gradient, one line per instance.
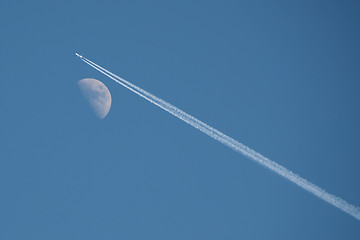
(280, 77)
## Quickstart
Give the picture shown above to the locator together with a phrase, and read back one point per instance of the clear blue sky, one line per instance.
(279, 76)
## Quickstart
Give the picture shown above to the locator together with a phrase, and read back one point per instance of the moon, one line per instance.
(97, 94)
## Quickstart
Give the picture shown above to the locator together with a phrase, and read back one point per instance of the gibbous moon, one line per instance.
(97, 94)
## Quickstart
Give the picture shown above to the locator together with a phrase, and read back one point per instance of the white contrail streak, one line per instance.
(232, 143)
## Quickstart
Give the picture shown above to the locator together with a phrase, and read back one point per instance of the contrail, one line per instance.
(232, 143)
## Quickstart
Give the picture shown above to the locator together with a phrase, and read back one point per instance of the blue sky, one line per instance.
(281, 77)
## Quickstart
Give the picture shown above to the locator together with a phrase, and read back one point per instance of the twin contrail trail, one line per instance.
(232, 143)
